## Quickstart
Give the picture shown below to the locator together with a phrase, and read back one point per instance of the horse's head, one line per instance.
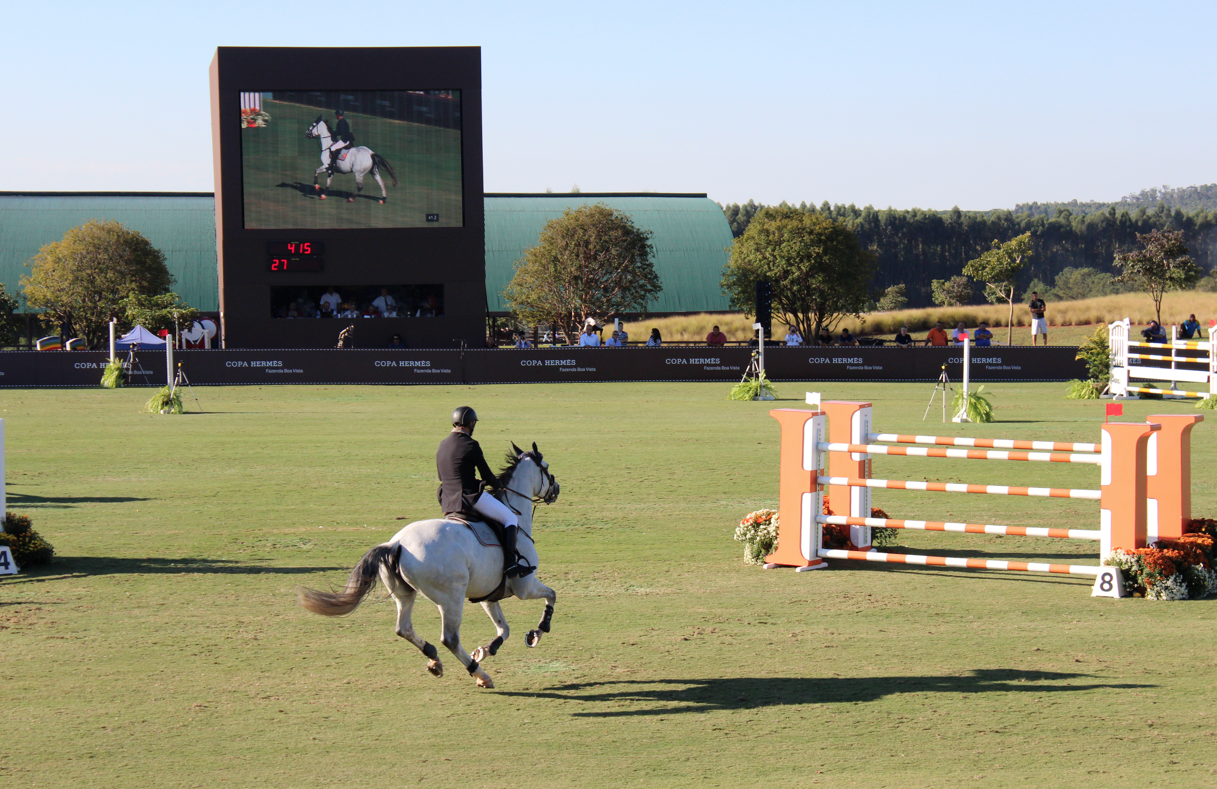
(544, 486)
(318, 129)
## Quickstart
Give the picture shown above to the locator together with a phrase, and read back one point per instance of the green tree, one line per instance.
(165, 311)
(10, 323)
(893, 299)
(591, 261)
(953, 292)
(999, 269)
(82, 280)
(1161, 265)
(820, 273)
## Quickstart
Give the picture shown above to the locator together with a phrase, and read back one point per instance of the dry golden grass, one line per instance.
(1136, 306)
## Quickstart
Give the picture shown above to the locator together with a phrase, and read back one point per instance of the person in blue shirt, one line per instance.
(983, 336)
(1190, 328)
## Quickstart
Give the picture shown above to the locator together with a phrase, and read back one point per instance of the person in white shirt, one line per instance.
(332, 299)
(794, 338)
(614, 341)
(958, 333)
(385, 304)
(589, 337)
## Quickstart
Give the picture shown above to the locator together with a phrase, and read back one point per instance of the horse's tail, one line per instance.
(381, 161)
(362, 581)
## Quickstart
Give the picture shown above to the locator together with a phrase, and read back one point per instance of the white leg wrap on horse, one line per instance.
(493, 508)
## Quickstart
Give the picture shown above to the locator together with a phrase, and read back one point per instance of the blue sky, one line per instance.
(974, 104)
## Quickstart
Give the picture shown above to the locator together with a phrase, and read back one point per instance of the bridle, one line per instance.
(551, 485)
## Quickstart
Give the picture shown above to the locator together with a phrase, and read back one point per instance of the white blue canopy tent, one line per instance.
(141, 339)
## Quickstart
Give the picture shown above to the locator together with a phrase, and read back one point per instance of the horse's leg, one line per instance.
(404, 595)
(529, 588)
(358, 185)
(317, 186)
(450, 611)
(495, 612)
(384, 195)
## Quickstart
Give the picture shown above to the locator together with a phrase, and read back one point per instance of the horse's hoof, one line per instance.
(480, 654)
(323, 196)
(532, 638)
(316, 187)
(382, 202)
(436, 668)
(485, 682)
(350, 199)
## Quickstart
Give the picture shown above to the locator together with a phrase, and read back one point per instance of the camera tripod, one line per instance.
(943, 385)
(181, 379)
(131, 365)
(754, 372)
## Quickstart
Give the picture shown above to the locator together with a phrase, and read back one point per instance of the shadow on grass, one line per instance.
(673, 696)
(87, 566)
(26, 500)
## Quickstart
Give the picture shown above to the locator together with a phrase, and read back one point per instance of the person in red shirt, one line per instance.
(716, 339)
(937, 336)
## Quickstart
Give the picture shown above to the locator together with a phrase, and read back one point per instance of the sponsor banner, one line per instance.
(545, 365)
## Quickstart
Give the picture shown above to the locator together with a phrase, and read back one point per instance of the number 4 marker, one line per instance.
(7, 565)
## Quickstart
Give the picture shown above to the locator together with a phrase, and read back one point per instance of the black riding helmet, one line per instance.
(464, 417)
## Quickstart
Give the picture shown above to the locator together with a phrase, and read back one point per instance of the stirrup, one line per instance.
(519, 570)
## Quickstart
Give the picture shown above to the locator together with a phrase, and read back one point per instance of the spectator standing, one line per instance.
(589, 338)
(654, 341)
(716, 339)
(903, 338)
(958, 333)
(984, 337)
(622, 334)
(331, 299)
(937, 336)
(1039, 324)
(522, 342)
(1190, 328)
(793, 337)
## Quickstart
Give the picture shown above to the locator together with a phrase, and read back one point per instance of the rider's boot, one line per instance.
(333, 155)
(513, 563)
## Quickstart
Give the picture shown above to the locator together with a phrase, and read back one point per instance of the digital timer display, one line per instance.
(295, 255)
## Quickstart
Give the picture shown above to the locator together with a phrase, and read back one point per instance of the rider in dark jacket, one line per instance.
(459, 461)
(342, 137)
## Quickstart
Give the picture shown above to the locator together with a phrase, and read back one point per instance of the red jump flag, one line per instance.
(1114, 409)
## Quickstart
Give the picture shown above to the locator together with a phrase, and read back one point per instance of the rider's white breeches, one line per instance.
(493, 508)
(339, 145)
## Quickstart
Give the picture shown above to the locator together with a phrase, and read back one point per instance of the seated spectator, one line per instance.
(793, 337)
(654, 341)
(984, 337)
(824, 338)
(589, 338)
(396, 342)
(937, 336)
(331, 300)
(614, 341)
(1190, 328)
(903, 338)
(293, 310)
(715, 339)
(385, 304)
(1154, 332)
(958, 333)
(846, 338)
(522, 342)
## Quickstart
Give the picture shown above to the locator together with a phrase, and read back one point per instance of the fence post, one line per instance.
(1123, 485)
(1168, 472)
(850, 423)
(799, 496)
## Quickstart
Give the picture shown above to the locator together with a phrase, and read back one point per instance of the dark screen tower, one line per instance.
(359, 169)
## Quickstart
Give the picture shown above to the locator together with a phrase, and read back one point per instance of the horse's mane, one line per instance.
(505, 473)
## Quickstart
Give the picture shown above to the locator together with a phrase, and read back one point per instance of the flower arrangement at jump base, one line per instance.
(26, 545)
(1179, 569)
(758, 531)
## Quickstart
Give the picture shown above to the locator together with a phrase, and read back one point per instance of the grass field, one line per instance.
(278, 163)
(164, 647)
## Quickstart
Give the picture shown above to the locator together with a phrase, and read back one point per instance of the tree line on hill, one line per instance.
(914, 247)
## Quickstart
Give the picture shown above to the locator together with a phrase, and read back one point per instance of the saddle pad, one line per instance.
(485, 535)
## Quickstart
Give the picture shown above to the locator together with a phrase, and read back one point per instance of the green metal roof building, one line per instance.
(691, 236)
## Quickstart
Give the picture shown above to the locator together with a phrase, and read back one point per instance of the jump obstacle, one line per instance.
(1199, 363)
(1144, 493)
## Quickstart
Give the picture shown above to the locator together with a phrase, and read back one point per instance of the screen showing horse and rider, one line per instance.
(378, 159)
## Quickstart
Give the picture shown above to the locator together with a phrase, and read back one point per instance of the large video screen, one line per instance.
(351, 159)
